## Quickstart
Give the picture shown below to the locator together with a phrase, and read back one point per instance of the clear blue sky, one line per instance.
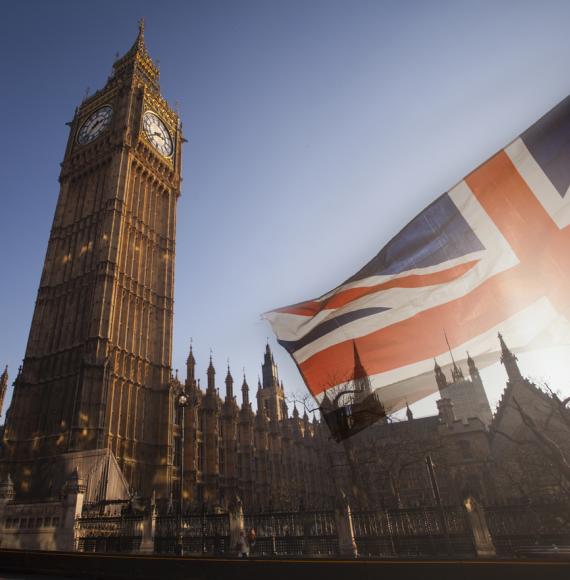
(316, 130)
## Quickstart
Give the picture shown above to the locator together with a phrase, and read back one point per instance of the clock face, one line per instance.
(157, 134)
(96, 123)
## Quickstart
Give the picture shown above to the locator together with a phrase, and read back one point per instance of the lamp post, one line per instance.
(181, 402)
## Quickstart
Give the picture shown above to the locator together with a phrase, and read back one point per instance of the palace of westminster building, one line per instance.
(96, 392)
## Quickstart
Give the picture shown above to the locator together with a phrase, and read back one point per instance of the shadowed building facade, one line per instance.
(273, 460)
(96, 372)
(267, 458)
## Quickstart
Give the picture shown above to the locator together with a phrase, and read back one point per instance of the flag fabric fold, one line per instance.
(491, 254)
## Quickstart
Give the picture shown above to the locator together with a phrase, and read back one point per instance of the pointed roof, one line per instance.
(138, 54)
(509, 361)
(245, 392)
(473, 370)
(505, 351)
(509, 392)
(359, 370)
(191, 358)
(456, 372)
(440, 377)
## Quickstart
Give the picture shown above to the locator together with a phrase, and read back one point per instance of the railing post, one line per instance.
(437, 497)
(482, 539)
(237, 525)
(67, 537)
(345, 530)
(306, 521)
(149, 529)
(390, 527)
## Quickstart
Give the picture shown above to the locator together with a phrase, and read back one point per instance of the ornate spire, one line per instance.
(295, 412)
(190, 366)
(140, 37)
(137, 59)
(245, 391)
(456, 372)
(3, 386)
(509, 361)
(211, 372)
(360, 376)
(269, 369)
(409, 413)
(439, 377)
(473, 370)
(229, 384)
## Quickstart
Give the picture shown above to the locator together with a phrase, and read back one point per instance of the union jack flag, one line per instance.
(492, 254)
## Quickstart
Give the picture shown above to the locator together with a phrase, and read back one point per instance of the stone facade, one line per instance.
(98, 358)
(265, 458)
(272, 460)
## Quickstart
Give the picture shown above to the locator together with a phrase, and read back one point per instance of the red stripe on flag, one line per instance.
(347, 296)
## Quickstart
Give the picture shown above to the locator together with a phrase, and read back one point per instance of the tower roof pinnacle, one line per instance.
(509, 360)
(138, 54)
(191, 358)
(456, 372)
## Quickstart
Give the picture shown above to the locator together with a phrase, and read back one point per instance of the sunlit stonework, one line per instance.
(97, 366)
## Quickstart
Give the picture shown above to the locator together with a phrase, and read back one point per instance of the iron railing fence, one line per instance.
(110, 534)
(311, 533)
(426, 531)
(421, 531)
(201, 534)
(517, 526)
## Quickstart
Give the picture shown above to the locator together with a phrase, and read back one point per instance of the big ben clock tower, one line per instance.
(96, 373)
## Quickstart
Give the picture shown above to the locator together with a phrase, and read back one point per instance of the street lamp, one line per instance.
(181, 401)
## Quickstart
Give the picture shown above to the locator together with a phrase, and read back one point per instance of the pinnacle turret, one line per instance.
(456, 372)
(211, 375)
(190, 366)
(360, 376)
(229, 384)
(3, 387)
(440, 377)
(137, 60)
(269, 369)
(509, 361)
(245, 392)
(473, 370)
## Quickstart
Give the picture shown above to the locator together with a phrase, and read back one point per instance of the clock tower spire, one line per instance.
(98, 360)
